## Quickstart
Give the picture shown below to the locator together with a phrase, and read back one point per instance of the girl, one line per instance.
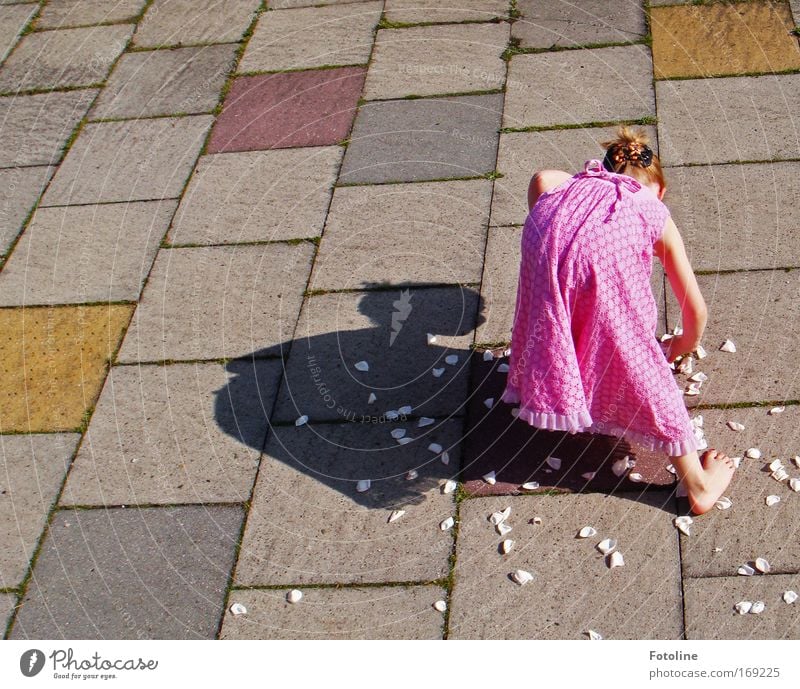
(584, 356)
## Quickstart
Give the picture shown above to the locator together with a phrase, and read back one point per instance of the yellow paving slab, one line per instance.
(52, 363)
(722, 39)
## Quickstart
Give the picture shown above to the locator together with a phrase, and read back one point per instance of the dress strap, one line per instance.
(594, 168)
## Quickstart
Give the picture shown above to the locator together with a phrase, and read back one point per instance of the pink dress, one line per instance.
(584, 351)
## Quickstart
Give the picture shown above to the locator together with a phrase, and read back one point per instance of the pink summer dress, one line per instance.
(584, 352)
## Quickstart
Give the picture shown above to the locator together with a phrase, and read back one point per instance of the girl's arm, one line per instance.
(672, 254)
(542, 181)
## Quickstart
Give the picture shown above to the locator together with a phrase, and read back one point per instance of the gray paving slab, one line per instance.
(430, 232)
(21, 187)
(145, 573)
(308, 524)
(573, 589)
(166, 82)
(427, 60)
(12, 21)
(710, 613)
(521, 154)
(743, 118)
(220, 301)
(257, 196)
(413, 11)
(286, 4)
(58, 14)
(795, 7)
(312, 37)
(175, 434)
(374, 612)
(547, 25)
(67, 57)
(131, 160)
(579, 86)
(187, 22)
(83, 254)
(7, 603)
(32, 469)
(387, 329)
(415, 140)
(35, 128)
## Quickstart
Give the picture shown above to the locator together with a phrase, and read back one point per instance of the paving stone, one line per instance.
(257, 196)
(22, 187)
(35, 128)
(413, 11)
(53, 363)
(415, 140)
(427, 60)
(520, 154)
(62, 13)
(376, 612)
(33, 468)
(284, 4)
(8, 602)
(388, 329)
(210, 21)
(129, 161)
(286, 110)
(112, 574)
(82, 254)
(720, 38)
(68, 57)
(641, 600)
(744, 118)
(12, 21)
(758, 200)
(795, 7)
(220, 301)
(166, 82)
(710, 613)
(308, 524)
(332, 35)
(569, 25)
(432, 232)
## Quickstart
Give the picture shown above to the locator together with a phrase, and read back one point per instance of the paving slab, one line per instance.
(22, 187)
(59, 14)
(286, 110)
(423, 139)
(387, 329)
(8, 602)
(35, 128)
(430, 232)
(428, 60)
(579, 86)
(563, 24)
(374, 612)
(84, 254)
(54, 363)
(720, 39)
(257, 196)
(573, 589)
(743, 118)
(285, 4)
(710, 614)
(759, 200)
(33, 468)
(166, 82)
(13, 20)
(415, 11)
(312, 37)
(520, 154)
(211, 21)
(308, 524)
(182, 433)
(112, 574)
(219, 301)
(67, 57)
(132, 160)
(795, 7)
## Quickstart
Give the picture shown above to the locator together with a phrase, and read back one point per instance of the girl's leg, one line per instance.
(704, 480)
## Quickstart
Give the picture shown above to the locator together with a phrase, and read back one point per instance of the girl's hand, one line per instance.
(680, 345)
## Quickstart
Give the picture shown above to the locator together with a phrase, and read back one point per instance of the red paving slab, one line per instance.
(516, 452)
(288, 109)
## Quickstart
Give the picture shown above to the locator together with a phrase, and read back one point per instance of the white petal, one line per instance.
(451, 359)
(735, 426)
(431, 338)
(606, 545)
(489, 402)
(398, 433)
(758, 607)
(616, 559)
(772, 500)
(435, 447)
(700, 352)
(587, 532)
(425, 421)
(728, 346)
(301, 420)
(447, 523)
(506, 546)
(440, 605)
(449, 486)
(487, 355)
(762, 565)
(789, 596)
(437, 372)
(362, 366)
(490, 478)
(522, 577)
(499, 517)
(294, 595)
(530, 485)
(699, 377)
(363, 485)
(743, 607)
(723, 503)
(554, 463)
(503, 368)
(239, 609)
(753, 453)
(395, 515)
(503, 528)
(371, 398)
(776, 410)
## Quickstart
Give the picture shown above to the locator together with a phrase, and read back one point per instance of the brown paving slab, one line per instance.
(12, 22)
(413, 11)
(308, 524)
(720, 38)
(21, 187)
(32, 468)
(63, 13)
(573, 589)
(710, 613)
(374, 612)
(53, 363)
(309, 108)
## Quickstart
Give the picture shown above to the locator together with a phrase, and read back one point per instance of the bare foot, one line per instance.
(717, 473)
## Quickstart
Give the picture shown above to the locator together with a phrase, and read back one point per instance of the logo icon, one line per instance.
(402, 308)
(31, 662)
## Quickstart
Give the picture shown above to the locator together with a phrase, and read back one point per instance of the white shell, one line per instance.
(405, 440)
(606, 545)
(449, 486)
(412, 474)
(503, 368)
(753, 453)
(447, 523)
(780, 475)
(506, 546)
(498, 517)
(589, 475)
(622, 465)
(635, 477)
(735, 426)
(666, 336)
(431, 338)
(362, 366)
(503, 528)
(435, 447)
(440, 605)
(445, 457)
(699, 377)
(794, 484)
(776, 410)
(522, 577)
(530, 485)
(507, 352)
(702, 444)
(363, 485)
(406, 409)
(536, 520)
(451, 359)
(762, 565)
(594, 636)
(728, 346)
(692, 389)
(772, 500)
(395, 515)
(371, 398)
(294, 595)
(789, 597)
(489, 402)
(616, 559)
(515, 412)
(587, 532)
(758, 607)
(677, 330)
(487, 355)
(239, 609)
(701, 352)
(391, 414)
(775, 464)
(686, 366)
(437, 372)
(683, 523)
(723, 503)
(743, 607)
(554, 463)
(398, 433)
(746, 571)
(671, 469)
(490, 478)
(796, 460)
(301, 420)
(736, 461)
(697, 421)
(425, 421)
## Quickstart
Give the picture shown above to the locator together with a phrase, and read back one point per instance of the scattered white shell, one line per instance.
(772, 500)
(447, 523)
(435, 447)
(371, 398)
(677, 330)
(775, 464)
(587, 532)
(717, 549)
(753, 453)
(635, 477)
(503, 528)
(489, 402)
(294, 595)
(554, 463)
(606, 545)
(776, 410)
(536, 520)
(743, 607)
(702, 444)
(594, 636)
(736, 461)
(395, 515)
(405, 440)
(405, 409)
(412, 474)
(589, 475)
(451, 359)
(522, 577)
(762, 565)
(530, 485)
(794, 484)
(699, 377)
(449, 486)
(398, 433)
(301, 420)
(796, 460)
(445, 457)
(671, 469)
(683, 523)
(686, 366)
(239, 609)
(728, 346)
(616, 560)
(666, 336)
(440, 605)
(507, 352)
(498, 517)
(503, 368)
(724, 503)
(391, 414)
(515, 412)
(780, 475)
(431, 338)
(746, 571)
(425, 421)
(692, 389)
(490, 478)
(622, 465)
(701, 352)
(362, 366)
(789, 597)
(437, 372)
(506, 546)
(487, 355)
(735, 426)
(697, 421)
(758, 607)
(363, 485)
